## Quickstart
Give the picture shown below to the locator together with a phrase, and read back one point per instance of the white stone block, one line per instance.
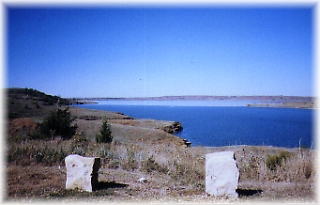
(222, 174)
(82, 172)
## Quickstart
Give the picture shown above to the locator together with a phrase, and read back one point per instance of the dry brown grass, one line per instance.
(173, 171)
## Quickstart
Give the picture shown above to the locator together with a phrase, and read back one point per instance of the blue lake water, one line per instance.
(214, 124)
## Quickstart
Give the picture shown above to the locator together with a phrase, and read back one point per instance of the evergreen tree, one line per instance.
(58, 123)
(105, 135)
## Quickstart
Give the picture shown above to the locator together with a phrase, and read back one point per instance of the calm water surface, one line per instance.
(218, 124)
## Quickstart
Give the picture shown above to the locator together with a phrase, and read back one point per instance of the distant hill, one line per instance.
(279, 98)
(28, 102)
(254, 101)
(266, 99)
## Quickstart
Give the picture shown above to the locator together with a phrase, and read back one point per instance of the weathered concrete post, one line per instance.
(222, 174)
(82, 172)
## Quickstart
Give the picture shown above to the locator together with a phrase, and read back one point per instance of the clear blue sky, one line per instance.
(161, 51)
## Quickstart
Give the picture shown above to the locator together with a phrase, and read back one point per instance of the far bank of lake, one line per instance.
(217, 123)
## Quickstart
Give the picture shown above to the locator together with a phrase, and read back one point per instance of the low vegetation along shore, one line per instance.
(253, 101)
(174, 172)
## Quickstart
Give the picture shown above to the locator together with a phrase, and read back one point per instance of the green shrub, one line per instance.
(105, 135)
(57, 123)
(273, 161)
(284, 155)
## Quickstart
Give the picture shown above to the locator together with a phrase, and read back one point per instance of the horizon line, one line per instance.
(195, 96)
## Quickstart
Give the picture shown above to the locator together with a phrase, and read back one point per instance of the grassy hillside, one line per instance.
(140, 148)
(26, 102)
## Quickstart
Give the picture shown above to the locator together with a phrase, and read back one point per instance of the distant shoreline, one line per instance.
(258, 101)
(205, 97)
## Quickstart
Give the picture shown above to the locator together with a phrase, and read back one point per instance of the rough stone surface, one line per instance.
(82, 172)
(222, 174)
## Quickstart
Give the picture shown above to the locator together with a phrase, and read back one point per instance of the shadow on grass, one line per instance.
(248, 192)
(100, 189)
(107, 185)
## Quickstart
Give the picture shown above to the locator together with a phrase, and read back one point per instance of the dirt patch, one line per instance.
(21, 128)
(22, 123)
(30, 181)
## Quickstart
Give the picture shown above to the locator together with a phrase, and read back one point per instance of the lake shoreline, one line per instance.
(211, 130)
(246, 101)
(174, 171)
(246, 155)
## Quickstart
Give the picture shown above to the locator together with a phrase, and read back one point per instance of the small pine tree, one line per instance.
(57, 123)
(105, 135)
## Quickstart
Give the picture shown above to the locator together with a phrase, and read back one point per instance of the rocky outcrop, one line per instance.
(82, 172)
(173, 127)
(186, 142)
(222, 174)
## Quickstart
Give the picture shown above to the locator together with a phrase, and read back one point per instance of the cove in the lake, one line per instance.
(208, 123)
